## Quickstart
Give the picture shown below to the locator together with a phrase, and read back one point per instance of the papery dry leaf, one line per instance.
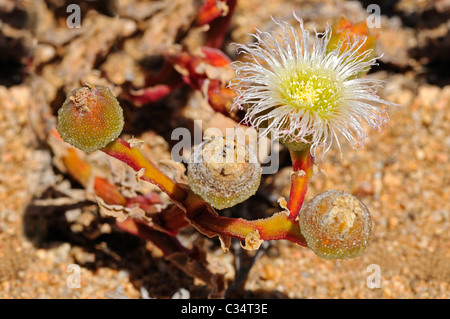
(120, 68)
(225, 241)
(121, 213)
(282, 202)
(80, 55)
(195, 264)
(139, 10)
(126, 179)
(155, 147)
(175, 170)
(160, 32)
(252, 241)
(135, 142)
(139, 175)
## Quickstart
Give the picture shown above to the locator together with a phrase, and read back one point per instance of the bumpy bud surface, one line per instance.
(90, 118)
(224, 172)
(336, 225)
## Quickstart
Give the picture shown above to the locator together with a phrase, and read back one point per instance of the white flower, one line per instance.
(305, 94)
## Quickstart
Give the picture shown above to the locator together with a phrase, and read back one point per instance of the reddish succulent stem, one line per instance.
(200, 213)
(219, 27)
(170, 219)
(302, 170)
(276, 227)
(76, 167)
(134, 158)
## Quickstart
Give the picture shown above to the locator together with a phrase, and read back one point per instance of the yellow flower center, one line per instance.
(303, 93)
(311, 90)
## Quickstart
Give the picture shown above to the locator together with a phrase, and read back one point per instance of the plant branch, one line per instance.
(302, 170)
(134, 158)
(275, 227)
(199, 212)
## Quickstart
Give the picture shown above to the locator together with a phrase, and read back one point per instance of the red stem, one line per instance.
(276, 227)
(302, 170)
(201, 214)
(134, 158)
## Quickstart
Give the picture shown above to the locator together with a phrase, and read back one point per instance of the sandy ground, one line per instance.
(402, 174)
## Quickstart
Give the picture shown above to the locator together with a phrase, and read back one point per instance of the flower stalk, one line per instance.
(275, 227)
(199, 212)
(302, 170)
(134, 158)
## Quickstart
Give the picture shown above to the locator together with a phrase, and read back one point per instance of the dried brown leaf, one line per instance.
(196, 265)
(252, 241)
(121, 213)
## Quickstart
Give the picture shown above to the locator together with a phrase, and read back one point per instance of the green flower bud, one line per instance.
(336, 225)
(90, 118)
(224, 172)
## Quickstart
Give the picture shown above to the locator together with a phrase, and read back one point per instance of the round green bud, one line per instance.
(90, 118)
(336, 225)
(224, 172)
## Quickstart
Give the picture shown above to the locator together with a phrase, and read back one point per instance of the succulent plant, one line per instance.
(300, 88)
